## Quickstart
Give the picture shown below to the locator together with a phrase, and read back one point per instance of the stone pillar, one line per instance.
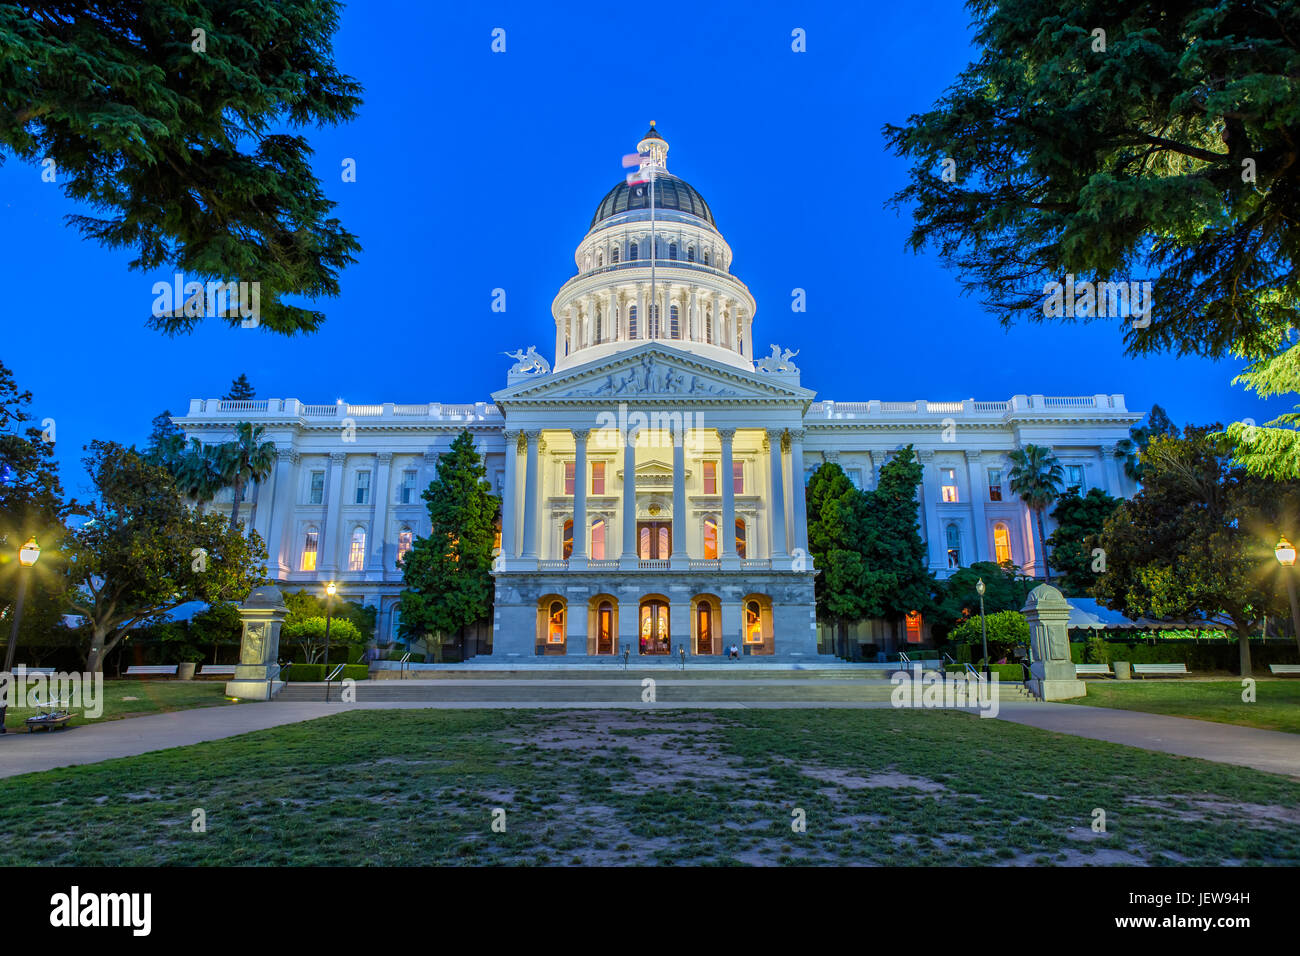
(694, 316)
(978, 495)
(776, 502)
(334, 495)
(1110, 465)
(530, 497)
(727, 533)
(798, 493)
(379, 519)
(678, 558)
(1054, 675)
(279, 542)
(628, 559)
(581, 483)
(256, 676)
(935, 543)
(544, 526)
(509, 541)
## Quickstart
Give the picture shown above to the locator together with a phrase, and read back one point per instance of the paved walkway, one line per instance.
(1267, 750)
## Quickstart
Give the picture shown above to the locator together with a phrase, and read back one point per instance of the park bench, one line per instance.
(1285, 670)
(1096, 670)
(1160, 670)
(23, 669)
(217, 670)
(151, 670)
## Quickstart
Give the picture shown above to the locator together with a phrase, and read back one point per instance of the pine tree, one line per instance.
(898, 577)
(836, 514)
(241, 390)
(447, 576)
(1079, 521)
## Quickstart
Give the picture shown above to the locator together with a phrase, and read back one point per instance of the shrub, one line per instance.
(355, 672)
(1098, 651)
(304, 672)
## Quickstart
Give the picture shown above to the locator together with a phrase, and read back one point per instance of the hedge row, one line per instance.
(316, 672)
(1220, 656)
(1005, 672)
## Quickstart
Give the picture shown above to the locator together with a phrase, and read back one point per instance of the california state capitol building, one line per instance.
(653, 474)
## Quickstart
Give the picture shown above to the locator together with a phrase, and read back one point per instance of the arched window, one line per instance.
(600, 326)
(631, 322)
(708, 326)
(706, 257)
(954, 546)
(310, 544)
(710, 539)
(598, 540)
(357, 551)
(740, 537)
(753, 623)
(672, 250)
(632, 252)
(600, 259)
(605, 628)
(1002, 543)
(555, 623)
(405, 539)
(674, 326)
(690, 253)
(613, 256)
(568, 540)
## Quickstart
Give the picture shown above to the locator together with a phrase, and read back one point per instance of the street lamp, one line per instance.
(1285, 554)
(984, 636)
(27, 556)
(330, 590)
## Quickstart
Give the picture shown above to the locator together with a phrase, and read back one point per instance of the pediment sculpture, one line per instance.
(778, 361)
(528, 361)
(652, 378)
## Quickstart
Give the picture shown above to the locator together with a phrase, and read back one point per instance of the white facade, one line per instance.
(650, 568)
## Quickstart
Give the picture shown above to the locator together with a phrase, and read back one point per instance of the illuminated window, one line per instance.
(710, 477)
(568, 477)
(598, 540)
(710, 539)
(949, 478)
(405, 538)
(406, 491)
(1074, 478)
(740, 538)
(363, 488)
(597, 477)
(753, 623)
(738, 477)
(1002, 543)
(914, 627)
(568, 540)
(555, 624)
(954, 546)
(357, 551)
(309, 551)
(995, 484)
(316, 496)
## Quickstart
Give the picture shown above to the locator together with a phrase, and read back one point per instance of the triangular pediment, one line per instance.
(653, 372)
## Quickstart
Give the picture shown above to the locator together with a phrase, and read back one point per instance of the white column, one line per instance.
(1112, 470)
(798, 497)
(530, 497)
(628, 559)
(978, 495)
(580, 485)
(278, 537)
(379, 512)
(677, 560)
(930, 506)
(509, 545)
(776, 503)
(329, 559)
(696, 335)
(727, 533)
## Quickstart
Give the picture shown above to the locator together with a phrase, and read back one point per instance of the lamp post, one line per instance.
(984, 636)
(1285, 554)
(330, 590)
(27, 556)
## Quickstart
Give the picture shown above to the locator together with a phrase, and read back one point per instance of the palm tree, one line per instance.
(196, 472)
(246, 459)
(1036, 476)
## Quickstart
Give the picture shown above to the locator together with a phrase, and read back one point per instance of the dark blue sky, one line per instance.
(479, 170)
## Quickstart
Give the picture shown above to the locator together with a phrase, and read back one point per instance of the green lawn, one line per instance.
(892, 787)
(133, 698)
(1276, 705)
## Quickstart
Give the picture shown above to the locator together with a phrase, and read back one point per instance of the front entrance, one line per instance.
(654, 627)
(704, 628)
(655, 539)
(605, 628)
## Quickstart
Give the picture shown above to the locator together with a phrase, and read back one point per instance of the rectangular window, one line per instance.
(363, 488)
(404, 540)
(738, 477)
(316, 496)
(995, 484)
(855, 477)
(357, 552)
(949, 479)
(1074, 478)
(710, 477)
(309, 552)
(598, 541)
(569, 467)
(406, 493)
(597, 477)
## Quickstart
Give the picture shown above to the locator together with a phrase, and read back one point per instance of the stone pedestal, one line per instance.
(259, 650)
(1053, 673)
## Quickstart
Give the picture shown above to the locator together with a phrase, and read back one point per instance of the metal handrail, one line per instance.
(401, 671)
(329, 679)
(971, 671)
(279, 669)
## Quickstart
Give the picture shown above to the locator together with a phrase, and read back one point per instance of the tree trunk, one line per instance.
(98, 651)
(1042, 544)
(1243, 652)
(234, 510)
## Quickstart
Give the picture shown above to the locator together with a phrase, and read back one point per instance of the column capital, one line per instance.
(797, 434)
(775, 434)
(1109, 450)
(287, 454)
(726, 434)
(383, 457)
(974, 457)
(338, 457)
(581, 434)
(925, 454)
(831, 454)
(532, 434)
